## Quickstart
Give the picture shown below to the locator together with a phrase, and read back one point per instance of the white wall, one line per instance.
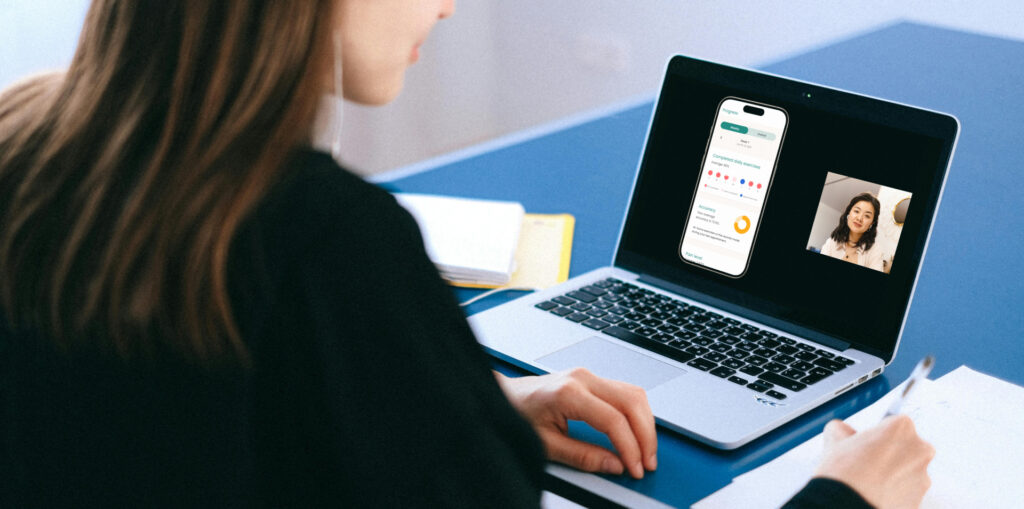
(497, 67)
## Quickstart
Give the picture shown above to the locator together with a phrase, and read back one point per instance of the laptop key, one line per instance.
(594, 290)
(685, 334)
(715, 357)
(646, 331)
(633, 315)
(737, 380)
(805, 356)
(802, 366)
(702, 341)
(562, 311)
(579, 306)
(606, 284)
(747, 346)
(787, 349)
(597, 313)
(577, 317)
(786, 340)
(757, 387)
(612, 318)
(660, 315)
(701, 364)
(812, 379)
(774, 367)
(731, 321)
(619, 310)
(805, 347)
(729, 340)
(603, 304)
(735, 331)
(650, 322)
(769, 343)
(669, 329)
(820, 372)
(827, 355)
(613, 298)
(783, 359)
(751, 370)
(756, 360)
(782, 381)
(582, 296)
(793, 374)
(678, 321)
(720, 347)
(776, 394)
(733, 363)
(844, 361)
(769, 334)
(563, 300)
(736, 353)
(829, 364)
(663, 338)
(595, 324)
(697, 350)
(546, 305)
(629, 325)
(711, 333)
(723, 372)
(764, 352)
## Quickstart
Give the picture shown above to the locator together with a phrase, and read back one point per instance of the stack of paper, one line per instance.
(470, 241)
(492, 244)
(973, 420)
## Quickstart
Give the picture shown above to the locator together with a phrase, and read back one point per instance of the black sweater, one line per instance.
(367, 387)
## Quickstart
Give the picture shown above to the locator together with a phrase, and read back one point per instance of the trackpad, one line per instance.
(609, 360)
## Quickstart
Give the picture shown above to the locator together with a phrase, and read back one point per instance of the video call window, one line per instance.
(859, 222)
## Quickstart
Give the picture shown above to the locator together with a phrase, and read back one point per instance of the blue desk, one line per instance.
(969, 303)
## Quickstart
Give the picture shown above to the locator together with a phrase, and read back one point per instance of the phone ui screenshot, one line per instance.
(732, 190)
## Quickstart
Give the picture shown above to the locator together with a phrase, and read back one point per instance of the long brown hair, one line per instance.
(123, 180)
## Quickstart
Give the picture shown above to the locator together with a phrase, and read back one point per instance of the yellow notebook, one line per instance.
(542, 254)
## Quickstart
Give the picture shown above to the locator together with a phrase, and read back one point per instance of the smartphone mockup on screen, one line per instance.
(732, 190)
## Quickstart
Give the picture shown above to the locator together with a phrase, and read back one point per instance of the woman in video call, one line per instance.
(854, 239)
(199, 308)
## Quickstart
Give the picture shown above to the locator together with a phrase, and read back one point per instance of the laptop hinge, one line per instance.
(796, 330)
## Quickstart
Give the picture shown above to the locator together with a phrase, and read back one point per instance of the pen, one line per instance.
(920, 372)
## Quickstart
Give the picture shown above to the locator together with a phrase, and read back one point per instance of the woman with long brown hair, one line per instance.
(200, 309)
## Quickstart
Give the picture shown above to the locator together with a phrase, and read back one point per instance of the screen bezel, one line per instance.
(941, 126)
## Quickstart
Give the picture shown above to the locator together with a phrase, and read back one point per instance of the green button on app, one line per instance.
(729, 126)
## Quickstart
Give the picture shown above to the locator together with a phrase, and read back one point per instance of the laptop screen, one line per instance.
(799, 206)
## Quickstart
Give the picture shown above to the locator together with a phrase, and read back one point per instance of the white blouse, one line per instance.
(870, 258)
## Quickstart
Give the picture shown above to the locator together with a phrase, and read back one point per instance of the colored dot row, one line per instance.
(742, 181)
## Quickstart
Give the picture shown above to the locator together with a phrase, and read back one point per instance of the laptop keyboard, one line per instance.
(743, 354)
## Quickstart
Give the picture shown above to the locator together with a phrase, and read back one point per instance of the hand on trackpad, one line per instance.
(608, 360)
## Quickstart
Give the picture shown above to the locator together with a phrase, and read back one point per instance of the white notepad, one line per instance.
(471, 241)
(973, 420)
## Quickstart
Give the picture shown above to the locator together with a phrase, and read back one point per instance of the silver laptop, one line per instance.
(766, 261)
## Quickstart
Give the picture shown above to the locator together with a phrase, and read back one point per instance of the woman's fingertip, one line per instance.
(652, 462)
(611, 466)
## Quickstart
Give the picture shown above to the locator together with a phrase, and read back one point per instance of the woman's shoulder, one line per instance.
(319, 208)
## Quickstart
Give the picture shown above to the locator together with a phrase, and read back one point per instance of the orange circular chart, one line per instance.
(742, 224)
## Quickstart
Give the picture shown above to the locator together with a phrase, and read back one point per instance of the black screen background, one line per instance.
(859, 305)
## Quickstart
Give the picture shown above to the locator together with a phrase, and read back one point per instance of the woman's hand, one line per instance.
(887, 464)
(617, 409)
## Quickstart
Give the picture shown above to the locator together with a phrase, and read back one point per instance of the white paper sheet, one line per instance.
(975, 422)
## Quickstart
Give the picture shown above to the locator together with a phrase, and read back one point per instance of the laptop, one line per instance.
(767, 259)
